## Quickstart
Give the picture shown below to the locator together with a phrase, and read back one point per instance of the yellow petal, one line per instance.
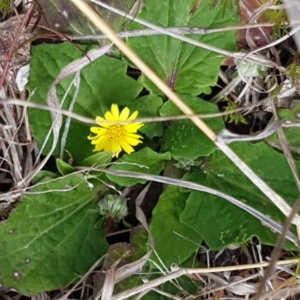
(126, 147)
(102, 122)
(134, 127)
(131, 141)
(109, 117)
(114, 148)
(101, 145)
(108, 147)
(94, 129)
(124, 114)
(133, 116)
(115, 112)
(102, 131)
(124, 140)
(116, 154)
(98, 139)
(98, 130)
(92, 137)
(134, 136)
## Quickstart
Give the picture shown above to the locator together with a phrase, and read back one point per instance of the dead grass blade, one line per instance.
(114, 275)
(132, 268)
(140, 214)
(109, 283)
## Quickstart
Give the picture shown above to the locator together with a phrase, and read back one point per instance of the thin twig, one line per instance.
(92, 121)
(14, 42)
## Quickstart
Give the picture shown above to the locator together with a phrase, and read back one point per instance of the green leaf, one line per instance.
(63, 167)
(182, 138)
(138, 239)
(43, 175)
(119, 252)
(67, 18)
(49, 239)
(221, 223)
(182, 240)
(4, 6)
(184, 67)
(138, 242)
(291, 133)
(145, 161)
(125, 254)
(148, 106)
(102, 83)
(100, 159)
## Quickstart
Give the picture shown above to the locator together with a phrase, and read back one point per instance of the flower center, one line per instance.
(115, 132)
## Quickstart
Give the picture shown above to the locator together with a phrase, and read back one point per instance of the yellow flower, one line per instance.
(116, 137)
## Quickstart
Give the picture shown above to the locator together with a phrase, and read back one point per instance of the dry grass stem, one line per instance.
(178, 30)
(91, 121)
